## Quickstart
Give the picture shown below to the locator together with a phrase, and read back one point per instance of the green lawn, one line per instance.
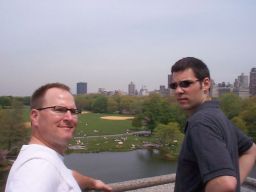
(120, 143)
(91, 124)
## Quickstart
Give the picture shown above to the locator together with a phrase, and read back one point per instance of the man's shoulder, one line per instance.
(32, 156)
(211, 119)
(208, 111)
(33, 165)
(206, 115)
(31, 173)
(39, 152)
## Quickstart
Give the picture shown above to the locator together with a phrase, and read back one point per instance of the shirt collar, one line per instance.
(206, 104)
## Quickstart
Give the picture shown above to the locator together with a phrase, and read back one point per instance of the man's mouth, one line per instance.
(66, 126)
(182, 99)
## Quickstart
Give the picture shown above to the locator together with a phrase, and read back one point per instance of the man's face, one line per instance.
(52, 128)
(193, 93)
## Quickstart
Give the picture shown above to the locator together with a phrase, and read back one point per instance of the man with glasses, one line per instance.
(39, 166)
(215, 155)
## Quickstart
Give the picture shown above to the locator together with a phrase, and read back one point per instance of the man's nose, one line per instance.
(68, 115)
(178, 90)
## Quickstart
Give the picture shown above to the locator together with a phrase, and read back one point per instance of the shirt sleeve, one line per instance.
(210, 151)
(244, 142)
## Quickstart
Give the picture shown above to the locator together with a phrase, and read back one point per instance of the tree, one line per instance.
(12, 130)
(231, 104)
(170, 137)
(178, 115)
(155, 109)
(126, 104)
(100, 104)
(6, 101)
(112, 105)
(84, 102)
(249, 117)
(240, 123)
(26, 100)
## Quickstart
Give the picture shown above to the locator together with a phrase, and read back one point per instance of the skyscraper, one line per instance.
(171, 92)
(243, 81)
(81, 88)
(252, 84)
(241, 87)
(131, 89)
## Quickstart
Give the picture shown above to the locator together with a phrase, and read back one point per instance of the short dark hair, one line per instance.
(36, 100)
(199, 68)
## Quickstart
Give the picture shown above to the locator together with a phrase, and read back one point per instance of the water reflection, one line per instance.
(120, 166)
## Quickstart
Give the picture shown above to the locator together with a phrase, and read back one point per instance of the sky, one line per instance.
(109, 43)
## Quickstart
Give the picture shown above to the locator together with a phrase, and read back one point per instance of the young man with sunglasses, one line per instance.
(215, 155)
(39, 166)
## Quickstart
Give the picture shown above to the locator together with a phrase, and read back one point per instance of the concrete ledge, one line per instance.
(165, 183)
(143, 183)
(249, 185)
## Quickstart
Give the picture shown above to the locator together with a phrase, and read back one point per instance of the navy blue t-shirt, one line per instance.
(211, 148)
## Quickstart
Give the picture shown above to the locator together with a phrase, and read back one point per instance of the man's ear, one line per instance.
(34, 114)
(206, 84)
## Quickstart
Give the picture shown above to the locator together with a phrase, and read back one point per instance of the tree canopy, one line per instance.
(12, 129)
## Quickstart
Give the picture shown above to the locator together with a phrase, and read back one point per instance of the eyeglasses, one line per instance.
(61, 110)
(182, 84)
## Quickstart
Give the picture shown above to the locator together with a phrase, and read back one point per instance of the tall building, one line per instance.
(143, 91)
(81, 88)
(164, 91)
(241, 87)
(214, 91)
(171, 92)
(252, 85)
(131, 89)
(243, 80)
(224, 88)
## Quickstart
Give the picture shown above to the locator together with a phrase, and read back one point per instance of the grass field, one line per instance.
(92, 124)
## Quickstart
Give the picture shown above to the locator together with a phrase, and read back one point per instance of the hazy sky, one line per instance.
(109, 43)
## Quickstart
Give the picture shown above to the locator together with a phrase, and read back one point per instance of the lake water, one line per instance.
(114, 167)
(120, 166)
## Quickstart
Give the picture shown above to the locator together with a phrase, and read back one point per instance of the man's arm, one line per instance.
(228, 183)
(222, 184)
(246, 162)
(90, 183)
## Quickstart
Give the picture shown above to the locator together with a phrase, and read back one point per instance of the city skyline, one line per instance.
(108, 44)
(137, 87)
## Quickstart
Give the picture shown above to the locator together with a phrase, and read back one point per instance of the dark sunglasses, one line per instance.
(182, 84)
(62, 110)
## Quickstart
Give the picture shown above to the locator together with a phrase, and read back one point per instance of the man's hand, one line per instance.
(99, 185)
(86, 182)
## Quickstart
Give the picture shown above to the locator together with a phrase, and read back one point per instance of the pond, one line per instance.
(122, 166)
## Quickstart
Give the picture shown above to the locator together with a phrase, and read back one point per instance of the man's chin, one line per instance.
(67, 138)
(186, 107)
